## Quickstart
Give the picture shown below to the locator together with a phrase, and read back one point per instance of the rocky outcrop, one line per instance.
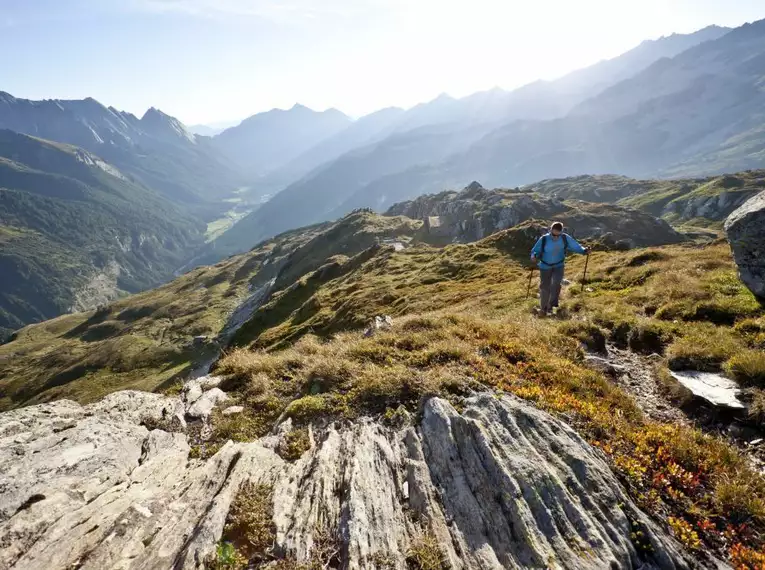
(745, 229)
(476, 213)
(499, 485)
(100, 289)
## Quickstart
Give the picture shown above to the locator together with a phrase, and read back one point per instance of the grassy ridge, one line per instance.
(144, 341)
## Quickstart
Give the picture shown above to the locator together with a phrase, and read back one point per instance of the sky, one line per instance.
(211, 61)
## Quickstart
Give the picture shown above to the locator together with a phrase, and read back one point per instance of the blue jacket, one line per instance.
(554, 255)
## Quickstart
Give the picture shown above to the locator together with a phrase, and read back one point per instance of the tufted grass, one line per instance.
(748, 367)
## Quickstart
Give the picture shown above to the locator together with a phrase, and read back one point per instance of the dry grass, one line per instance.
(757, 407)
(424, 553)
(249, 526)
(463, 326)
(704, 347)
(748, 367)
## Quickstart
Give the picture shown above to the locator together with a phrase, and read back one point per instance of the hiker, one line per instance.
(549, 254)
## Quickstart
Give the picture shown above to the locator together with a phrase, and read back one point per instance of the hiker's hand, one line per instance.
(533, 260)
(585, 251)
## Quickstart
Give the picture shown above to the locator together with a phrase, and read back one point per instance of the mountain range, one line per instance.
(681, 106)
(267, 141)
(381, 390)
(156, 150)
(448, 142)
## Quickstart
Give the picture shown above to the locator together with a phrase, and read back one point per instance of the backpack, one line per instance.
(565, 247)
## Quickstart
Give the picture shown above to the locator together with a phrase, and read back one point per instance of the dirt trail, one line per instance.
(635, 374)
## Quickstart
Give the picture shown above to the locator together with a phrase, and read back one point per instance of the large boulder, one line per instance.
(745, 229)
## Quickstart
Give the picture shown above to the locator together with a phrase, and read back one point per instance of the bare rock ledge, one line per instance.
(501, 485)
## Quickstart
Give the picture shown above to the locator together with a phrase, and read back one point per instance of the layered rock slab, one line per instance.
(500, 485)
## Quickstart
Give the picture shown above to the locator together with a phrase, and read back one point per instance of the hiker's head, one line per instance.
(556, 229)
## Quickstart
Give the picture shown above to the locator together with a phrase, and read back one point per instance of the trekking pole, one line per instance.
(584, 277)
(531, 274)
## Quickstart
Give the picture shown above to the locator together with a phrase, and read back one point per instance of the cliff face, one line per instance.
(498, 485)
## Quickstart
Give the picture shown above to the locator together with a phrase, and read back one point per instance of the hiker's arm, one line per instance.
(575, 246)
(536, 251)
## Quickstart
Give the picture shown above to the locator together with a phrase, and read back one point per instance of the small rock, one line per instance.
(203, 407)
(194, 389)
(231, 410)
(380, 323)
(207, 382)
(193, 392)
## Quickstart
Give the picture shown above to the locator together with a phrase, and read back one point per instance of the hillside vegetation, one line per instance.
(703, 202)
(145, 341)
(462, 324)
(76, 232)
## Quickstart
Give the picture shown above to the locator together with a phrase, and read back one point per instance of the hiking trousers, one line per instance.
(549, 287)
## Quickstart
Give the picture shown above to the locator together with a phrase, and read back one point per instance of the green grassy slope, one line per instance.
(704, 202)
(143, 341)
(462, 324)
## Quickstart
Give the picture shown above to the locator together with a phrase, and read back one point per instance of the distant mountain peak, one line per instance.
(152, 112)
(161, 124)
(443, 98)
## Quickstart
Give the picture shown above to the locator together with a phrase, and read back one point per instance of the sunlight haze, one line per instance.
(207, 61)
